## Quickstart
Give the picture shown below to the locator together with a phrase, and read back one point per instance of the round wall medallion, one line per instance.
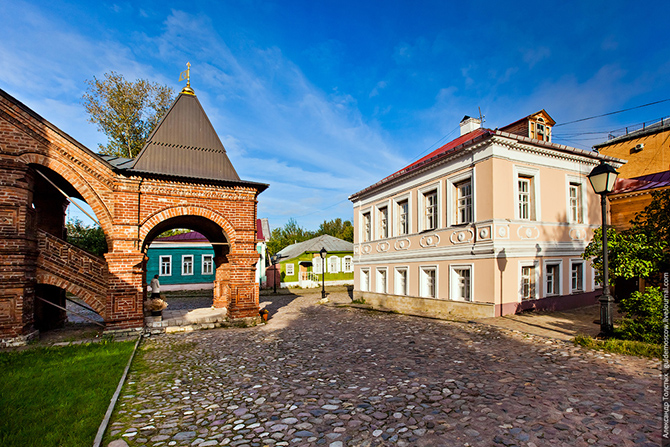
(484, 233)
(461, 237)
(529, 232)
(502, 231)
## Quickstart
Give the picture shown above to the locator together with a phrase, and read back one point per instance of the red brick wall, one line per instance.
(128, 208)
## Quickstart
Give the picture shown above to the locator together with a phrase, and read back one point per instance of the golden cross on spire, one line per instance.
(186, 76)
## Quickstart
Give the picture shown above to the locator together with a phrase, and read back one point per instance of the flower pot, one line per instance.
(156, 313)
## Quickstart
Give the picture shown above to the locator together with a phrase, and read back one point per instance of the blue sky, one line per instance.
(321, 99)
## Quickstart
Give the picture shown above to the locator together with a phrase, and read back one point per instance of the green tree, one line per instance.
(289, 234)
(340, 229)
(92, 239)
(127, 112)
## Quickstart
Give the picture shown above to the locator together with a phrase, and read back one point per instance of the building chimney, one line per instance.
(469, 124)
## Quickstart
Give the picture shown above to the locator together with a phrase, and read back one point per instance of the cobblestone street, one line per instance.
(336, 376)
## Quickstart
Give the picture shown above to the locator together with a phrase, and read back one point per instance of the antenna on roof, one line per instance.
(482, 118)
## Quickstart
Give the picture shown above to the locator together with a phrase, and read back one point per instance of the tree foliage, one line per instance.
(639, 251)
(126, 111)
(340, 229)
(292, 233)
(89, 238)
(643, 320)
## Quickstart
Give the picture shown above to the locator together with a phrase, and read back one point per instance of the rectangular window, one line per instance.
(367, 229)
(553, 279)
(290, 270)
(333, 264)
(577, 277)
(187, 265)
(365, 280)
(166, 265)
(525, 198)
(464, 202)
(575, 192)
(317, 265)
(462, 276)
(400, 281)
(428, 285)
(347, 263)
(403, 217)
(541, 134)
(431, 210)
(207, 264)
(527, 282)
(381, 280)
(383, 222)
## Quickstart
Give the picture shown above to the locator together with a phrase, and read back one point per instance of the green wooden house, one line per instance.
(301, 264)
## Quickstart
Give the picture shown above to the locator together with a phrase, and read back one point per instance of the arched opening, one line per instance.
(70, 273)
(189, 255)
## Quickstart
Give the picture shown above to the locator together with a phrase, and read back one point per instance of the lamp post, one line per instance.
(602, 179)
(323, 254)
(273, 259)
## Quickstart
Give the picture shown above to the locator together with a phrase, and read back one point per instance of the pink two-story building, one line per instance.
(492, 223)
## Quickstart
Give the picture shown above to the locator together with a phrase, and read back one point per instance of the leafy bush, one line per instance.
(643, 319)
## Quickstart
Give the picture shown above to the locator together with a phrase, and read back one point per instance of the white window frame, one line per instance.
(365, 280)
(333, 261)
(397, 201)
(366, 230)
(452, 197)
(534, 191)
(398, 273)
(317, 265)
(581, 182)
(424, 289)
(581, 287)
(455, 283)
(535, 265)
(381, 280)
(184, 271)
(168, 264)
(206, 262)
(350, 261)
(289, 269)
(379, 220)
(557, 282)
(423, 192)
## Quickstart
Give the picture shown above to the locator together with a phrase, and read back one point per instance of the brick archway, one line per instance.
(129, 202)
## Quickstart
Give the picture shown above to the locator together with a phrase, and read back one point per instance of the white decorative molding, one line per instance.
(484, 232)
(383, 247)
(366, 249)
(502, 232)
(356, 249)
(528, 232)
(402, 244)
(429, 240)
(577, 234)
(462, 237)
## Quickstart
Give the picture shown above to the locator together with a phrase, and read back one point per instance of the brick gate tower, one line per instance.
(182, 178)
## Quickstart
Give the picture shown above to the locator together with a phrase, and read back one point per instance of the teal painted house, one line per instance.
(301, 265)
(183, 261)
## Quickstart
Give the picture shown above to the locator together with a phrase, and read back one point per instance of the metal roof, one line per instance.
(185, 144)
(330, 243)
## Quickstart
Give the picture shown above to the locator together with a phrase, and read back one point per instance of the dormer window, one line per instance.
(539, 130)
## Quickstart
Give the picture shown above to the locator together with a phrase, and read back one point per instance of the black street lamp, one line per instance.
(323, 254)
(273, 259)
(602, 180)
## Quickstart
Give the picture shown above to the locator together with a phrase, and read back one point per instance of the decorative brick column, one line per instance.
(18, 252)
(244, 290)
(124, 300)
(222, 283)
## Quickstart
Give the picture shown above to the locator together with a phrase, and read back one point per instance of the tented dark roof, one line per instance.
(185, 144)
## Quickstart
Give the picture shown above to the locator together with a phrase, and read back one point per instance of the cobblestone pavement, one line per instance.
(336, 376)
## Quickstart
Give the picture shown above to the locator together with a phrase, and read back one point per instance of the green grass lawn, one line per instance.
(637, 348)
(58, 396)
